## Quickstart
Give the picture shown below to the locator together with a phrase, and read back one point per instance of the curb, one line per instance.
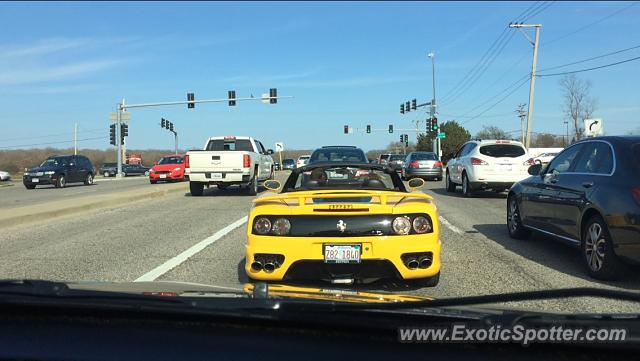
(97, 204)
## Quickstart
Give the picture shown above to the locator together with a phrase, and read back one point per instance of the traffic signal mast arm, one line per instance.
(123, 106)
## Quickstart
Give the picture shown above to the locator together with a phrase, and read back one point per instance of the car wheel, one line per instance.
(597, 251)
(62, 182)
(466, 187)
(252, 188)
(222, 186)
(426, 282)
(88, 179)
(30, 186)
(448, 184)
(196, 188)
(152, 181)
(514, 221)
(106, 174)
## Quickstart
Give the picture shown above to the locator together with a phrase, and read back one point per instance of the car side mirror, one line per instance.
(535, 169)
(416, 183)
(272, 185)
(270, 151)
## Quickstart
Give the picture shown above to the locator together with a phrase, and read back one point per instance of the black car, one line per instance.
(338, 153)
(109, 169)
(588, 196)
(60, 170)
(289, 164)
(134, 169)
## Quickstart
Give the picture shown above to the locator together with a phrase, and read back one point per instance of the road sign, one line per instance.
(442, 135)
(279, 147)
(124, 116)
(593, 127)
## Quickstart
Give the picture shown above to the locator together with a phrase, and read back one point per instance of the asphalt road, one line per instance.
(16, 195)
(127, 243)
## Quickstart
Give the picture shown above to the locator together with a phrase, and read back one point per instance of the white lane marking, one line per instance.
(449, 225)
(177, 260)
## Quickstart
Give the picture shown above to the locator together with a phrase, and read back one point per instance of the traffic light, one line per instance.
(368, 129)
(346, 129)
(273, 95)
(401, 138)
(171, 126)
(112, 134)
(414, 104)
(402, 108)
(390, 128)
(407, 107)
(428, 125)
(406, 140)
(232, 98)
(163, 123)
(124, 131)
(434, 124)
(191, 98)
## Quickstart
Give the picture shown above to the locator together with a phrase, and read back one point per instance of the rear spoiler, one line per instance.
(383, 196)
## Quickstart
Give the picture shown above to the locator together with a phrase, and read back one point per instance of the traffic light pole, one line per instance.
(119, 138)
(175, 135)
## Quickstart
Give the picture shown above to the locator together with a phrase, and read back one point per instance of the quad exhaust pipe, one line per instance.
(256, 266)
(412, 263)
(269, 267)
(425, 262)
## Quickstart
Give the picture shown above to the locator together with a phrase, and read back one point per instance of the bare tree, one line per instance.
(492, 132)
(578, 104)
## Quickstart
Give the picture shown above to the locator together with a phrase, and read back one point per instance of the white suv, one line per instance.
(487, 164)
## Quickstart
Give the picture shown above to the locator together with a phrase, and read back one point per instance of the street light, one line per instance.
(432, 56)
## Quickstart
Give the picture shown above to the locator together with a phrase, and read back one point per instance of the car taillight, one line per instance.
(246, 161)
(476, 161)
(186, 161)
(437, 164)
(636, 194)
(529, 161)
(415, 165)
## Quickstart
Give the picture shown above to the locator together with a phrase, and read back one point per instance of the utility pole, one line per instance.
(521, 114)
(75, 139)
(566, 141)
(119, 107)
(532, 85)
(432, 109)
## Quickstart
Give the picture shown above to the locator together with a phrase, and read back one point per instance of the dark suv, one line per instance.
(60, 170)
(338, 153)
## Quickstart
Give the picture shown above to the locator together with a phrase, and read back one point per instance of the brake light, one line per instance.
(229, 138)
(437, 164)
(636, 194)
(529, 161)
(476, 161)
(246, 161)
(186, 161)
(503, 141)
(415, 164)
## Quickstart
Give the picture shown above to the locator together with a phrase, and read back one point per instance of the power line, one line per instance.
(499, 101)
(49, 143)
(516, 83)
(589, 59)
(590, 24)
(589, 69)
(52, 135)
(542, 8)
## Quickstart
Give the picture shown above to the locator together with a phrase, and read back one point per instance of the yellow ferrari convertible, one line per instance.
(344, 223)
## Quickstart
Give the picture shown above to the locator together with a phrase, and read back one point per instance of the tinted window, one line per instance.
(260, 147)
(344, 177)
(171, 160)
(240, 145)
(384, 156)
(338, 155)
(595, 157)
(635, 157)
(502, 150)
(563, 162)
(396, 157)
(424, 156)
(288, 161)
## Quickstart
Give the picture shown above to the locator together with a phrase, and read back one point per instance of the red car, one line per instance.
(169, 168)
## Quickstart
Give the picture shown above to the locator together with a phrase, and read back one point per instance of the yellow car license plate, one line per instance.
(342, 253)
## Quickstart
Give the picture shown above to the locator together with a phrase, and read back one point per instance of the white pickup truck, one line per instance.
(229, 160)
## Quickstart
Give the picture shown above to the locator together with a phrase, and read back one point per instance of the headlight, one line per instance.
(176, 169)
(401, 225)
(421, 225)
(49, 172)
(281, 227)
(262, 225)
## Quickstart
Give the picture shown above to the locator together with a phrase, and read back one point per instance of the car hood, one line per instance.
(166, 167)
(272, 291)
(44, 169)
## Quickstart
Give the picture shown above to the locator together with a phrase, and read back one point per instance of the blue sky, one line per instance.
(345, 63)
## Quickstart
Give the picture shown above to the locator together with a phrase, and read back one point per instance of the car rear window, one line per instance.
(424, 156)
(239, 145)
(396, 157)
(502, 150)
(338, 155)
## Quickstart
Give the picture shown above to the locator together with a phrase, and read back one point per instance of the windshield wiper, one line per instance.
(509, 297)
